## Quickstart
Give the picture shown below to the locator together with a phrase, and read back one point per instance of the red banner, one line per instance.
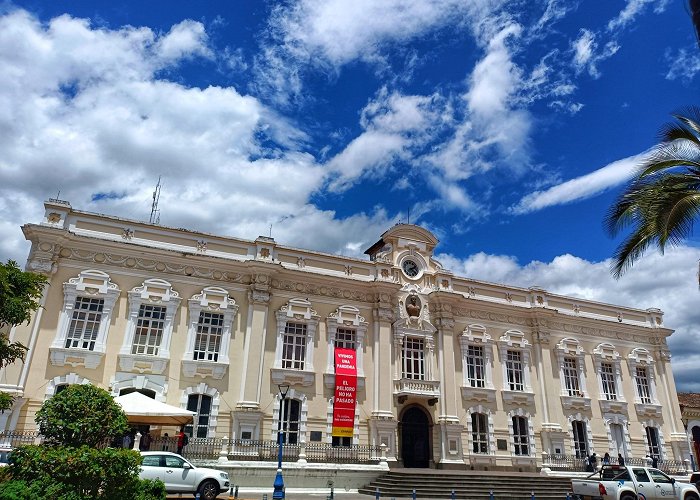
(345, 393)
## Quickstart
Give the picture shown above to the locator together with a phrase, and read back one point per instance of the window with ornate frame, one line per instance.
(81, 336)
(477, 364)
(571, 358)
(641, 366)
(211, 315)
(653, 440)
(293, 420)
(581, 437)
(146, 346)
(482, 440)
(347, 329)
(204, 401)
(607, 363)
(297, 323)
(515, 356)
(521, 433)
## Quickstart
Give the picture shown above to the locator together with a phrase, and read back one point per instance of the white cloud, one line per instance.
(83, 112)
(588, 53)
(683, 65)
(632, 9)
(582, 187)
(667, 281)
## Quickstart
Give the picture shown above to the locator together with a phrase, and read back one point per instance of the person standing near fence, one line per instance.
(620, 460)
(182, 440)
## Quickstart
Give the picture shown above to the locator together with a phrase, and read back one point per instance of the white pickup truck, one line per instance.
(631, 483)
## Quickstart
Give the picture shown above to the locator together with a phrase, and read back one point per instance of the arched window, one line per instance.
(201, 405)
(60, 388)
(289, 423)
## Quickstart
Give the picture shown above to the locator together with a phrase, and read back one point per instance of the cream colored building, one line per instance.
(452, 372)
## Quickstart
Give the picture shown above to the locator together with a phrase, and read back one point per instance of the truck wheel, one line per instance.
(208, 490)
(628, 496)
(691, 496)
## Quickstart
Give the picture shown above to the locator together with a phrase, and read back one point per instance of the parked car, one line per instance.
(695, 479)
(5, 456)
(180, 476)
(631, 483)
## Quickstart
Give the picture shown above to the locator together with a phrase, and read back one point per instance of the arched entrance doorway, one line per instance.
(415, 437)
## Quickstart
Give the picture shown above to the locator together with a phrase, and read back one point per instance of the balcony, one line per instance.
(425, 389)
(329, 381)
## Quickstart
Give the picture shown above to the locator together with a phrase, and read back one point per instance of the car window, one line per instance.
(624, 475)
(658, 476)
(175, 462)
(641, 475)
(151, 460)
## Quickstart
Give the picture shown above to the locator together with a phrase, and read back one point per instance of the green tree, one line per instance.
(75, 462)
(20, 293)
(81, 415)
(663, 200)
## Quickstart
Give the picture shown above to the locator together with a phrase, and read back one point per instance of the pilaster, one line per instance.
(254, 342)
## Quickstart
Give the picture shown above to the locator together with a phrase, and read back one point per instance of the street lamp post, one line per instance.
(279, 481)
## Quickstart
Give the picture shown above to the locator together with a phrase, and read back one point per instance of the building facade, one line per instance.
(451, 372)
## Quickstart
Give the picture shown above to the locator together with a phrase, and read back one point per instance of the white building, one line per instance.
(451, 372)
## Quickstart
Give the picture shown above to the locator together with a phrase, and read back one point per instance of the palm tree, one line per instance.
(663, 200)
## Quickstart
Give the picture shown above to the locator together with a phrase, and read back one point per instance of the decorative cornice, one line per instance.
(647, 337)
(131, 262)
(322, 290)
(485, 315)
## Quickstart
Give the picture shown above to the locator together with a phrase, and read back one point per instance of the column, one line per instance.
(450, 427)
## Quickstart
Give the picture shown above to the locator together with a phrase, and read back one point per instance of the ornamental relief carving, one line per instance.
(154, 265)
(610, 334)
(484, 315)
(326, 291)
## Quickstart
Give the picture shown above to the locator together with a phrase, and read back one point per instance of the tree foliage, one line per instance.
(20, 292)
(81, 414)
(663, 200)
(82, 473)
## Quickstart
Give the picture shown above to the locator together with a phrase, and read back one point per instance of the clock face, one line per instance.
(410, 268)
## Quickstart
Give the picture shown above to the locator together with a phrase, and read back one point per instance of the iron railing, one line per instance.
(575, 464)
(13, 439)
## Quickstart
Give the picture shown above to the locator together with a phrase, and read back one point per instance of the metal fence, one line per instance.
(576, 464)
(12, 439)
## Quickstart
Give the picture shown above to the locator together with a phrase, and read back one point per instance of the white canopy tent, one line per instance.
(141, 409)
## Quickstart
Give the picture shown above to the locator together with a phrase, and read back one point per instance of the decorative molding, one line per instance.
(154, 265)
(322, 290)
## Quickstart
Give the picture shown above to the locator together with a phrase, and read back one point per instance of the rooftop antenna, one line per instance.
(155, 213)
(58, 195)
(270, 230)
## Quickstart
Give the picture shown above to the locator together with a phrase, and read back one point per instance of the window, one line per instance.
(413, 359)
(151, 460)
(641, 475)
(480, 442)
(207, 343)
(514, 370)
(211, 314)
(174, 462)
(515, 359)
(297, 323)
(81, 335)
(85, 323)
(146, 346)
(345, 338)
(346, 329)
(580, 433)
(294, 347)
(60, 388)
(201, 405)
(338, 441)
(643, 385)
(607, 378)
(659, 477)
(521, 443)
(571, 380)
(653, 446)
(289, 426)
(149, 330)
(475, 366)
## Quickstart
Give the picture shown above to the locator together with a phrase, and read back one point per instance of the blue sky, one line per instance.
(506, 128)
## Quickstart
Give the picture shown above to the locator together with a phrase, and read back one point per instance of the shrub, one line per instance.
(81, 415)
(79, 474)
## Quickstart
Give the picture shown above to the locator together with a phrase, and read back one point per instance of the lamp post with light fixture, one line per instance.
(278, 493)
